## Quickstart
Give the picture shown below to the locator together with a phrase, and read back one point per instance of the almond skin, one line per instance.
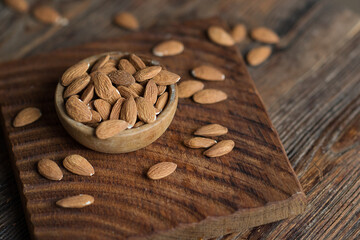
(147, 73)
(74, 72)
(264, 35)
(78, 110)
(100, 63)
(126, 20)
(110, 128)
(127, 92)
(129, 111)
(219, 36)
(166, 78)
(20, 6)
(78, 201)
(26, 116)
(103, 107)
(137, 88)
(115, 110)
(199, 142)
(161, 170)
(239, 32)
(88, 93)
(211, 130)
(209, 96)
(125, 65)
(208, 73)
(146, 110)
(78, 165)
(138, 124)
(168, 48)
(221, 148)
(104, 88)
(49, 169)
(151, 91)
(96, 117)
(49, 15)
(190, 87)
(161, 89)
(258, 55)
(121, 77)
(77, 86)
(161, 102)
(136, 62)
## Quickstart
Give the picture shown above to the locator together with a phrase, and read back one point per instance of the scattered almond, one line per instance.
(199, 142)
(147, 73)
(103, 107)
(125, 65)
(110, 128)
(151, 92)
(26, 116)
(166, 78)
(161, 170)
(136, 62)
(146, 110)
(126, 20)
(265, 35)
(239, 32)
(77, 86)
(258, 55)
(221, 148)
(115, 110)
(100, 63)
(74, 72)
(78, 201)
(88, 93)
(220, 36)
(168, 48)
(78, 165)
(49, 169)
(188, 88)
(211, 130)
(49, 15)
(208, 73)
(121, 77)
(209, 96)
(78, 110)
(21, 6)
(129, 111)
(161, 102)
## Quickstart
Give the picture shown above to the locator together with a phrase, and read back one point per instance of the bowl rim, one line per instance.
(60, 103)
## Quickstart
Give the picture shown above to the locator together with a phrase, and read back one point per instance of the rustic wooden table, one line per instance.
(310, 86)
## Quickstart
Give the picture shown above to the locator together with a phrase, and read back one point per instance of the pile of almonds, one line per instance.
(113, 94)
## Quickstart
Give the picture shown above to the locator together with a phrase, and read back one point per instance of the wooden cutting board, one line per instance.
(205, 197)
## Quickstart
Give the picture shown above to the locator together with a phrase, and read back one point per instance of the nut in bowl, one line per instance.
(116, 102)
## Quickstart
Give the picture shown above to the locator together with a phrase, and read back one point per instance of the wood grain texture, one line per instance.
(206, 197)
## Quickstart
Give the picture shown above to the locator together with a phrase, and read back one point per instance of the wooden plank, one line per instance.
(253, 185)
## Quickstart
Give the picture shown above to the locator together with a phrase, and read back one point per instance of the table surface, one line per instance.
(310, 87)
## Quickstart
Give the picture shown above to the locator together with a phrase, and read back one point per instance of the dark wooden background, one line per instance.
(310, 86)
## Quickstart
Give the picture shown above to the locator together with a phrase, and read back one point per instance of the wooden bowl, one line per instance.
(126, 141)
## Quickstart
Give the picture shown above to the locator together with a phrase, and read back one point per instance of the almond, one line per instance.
(161, 170)
(104, 88)
(88, 93)
(49, 169)
(78, 165)
(127, 92)
(161, 89)
(129, 111)
(26, 116)
(208, 73)
(239, 32)
(107, 69)
(265, 35)
(209, 96)
(21, 6)
(78, 201)
(168, 48)
(138, 124)
(74, 72)
(78, 110)
(221, 148)
(166, 78)
(137, 88)
(219, 36)
(110, 128)
(125, 65)
(136, 62)
(96, 117)
(211, 130)
(151, 91)
(121, 77)
(115, 111)
(126, 20)
(161, 102)
(199, 142)
(188, 88)
(77, 86)
(49, 15)
(147, 73)
(146, 110)
(103, 107)
(100, 63)
(258, 55)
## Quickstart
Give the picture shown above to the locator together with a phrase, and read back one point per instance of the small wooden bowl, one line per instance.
(128, 140)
